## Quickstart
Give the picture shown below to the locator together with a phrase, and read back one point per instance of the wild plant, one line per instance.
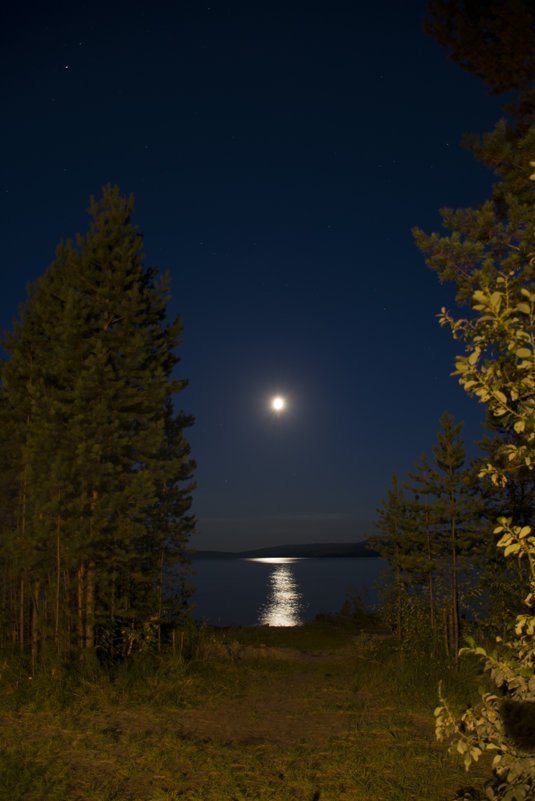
(499, 369)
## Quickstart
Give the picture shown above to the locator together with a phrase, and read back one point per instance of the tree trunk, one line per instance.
(21, 614)
(90, 582)
(454, 587)
(160, 598)
(432, 620)
(445, 620)
(36, 589)
(80, 618)
(67, 610)
(58, 585)
(22, 524)
(399, 606)
(90, 606)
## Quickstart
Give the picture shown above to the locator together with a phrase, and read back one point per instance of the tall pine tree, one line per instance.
(496, 42)
(491, 39)
(429, 554)
(101, 454)
(450, 482)
(393, 544)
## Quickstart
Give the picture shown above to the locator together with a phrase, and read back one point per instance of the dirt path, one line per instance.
(245, 723)
(306, 703)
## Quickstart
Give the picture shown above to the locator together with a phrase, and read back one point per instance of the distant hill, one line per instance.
(317, 550)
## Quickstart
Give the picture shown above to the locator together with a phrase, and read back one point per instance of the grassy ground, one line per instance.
(317, 713)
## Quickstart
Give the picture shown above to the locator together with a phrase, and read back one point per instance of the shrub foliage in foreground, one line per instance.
(499, 369)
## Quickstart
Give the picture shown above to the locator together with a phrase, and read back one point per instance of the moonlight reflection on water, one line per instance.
(283, 605)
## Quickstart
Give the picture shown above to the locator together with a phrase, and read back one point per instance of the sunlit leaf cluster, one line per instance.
(498, 368)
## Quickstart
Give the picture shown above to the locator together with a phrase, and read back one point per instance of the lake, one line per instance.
(280, 591)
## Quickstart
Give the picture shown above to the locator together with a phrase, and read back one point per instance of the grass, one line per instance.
(334, 722)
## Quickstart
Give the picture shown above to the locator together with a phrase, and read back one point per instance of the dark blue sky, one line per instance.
(279, 154)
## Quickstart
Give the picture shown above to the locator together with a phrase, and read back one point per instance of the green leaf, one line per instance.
(495, 301)
(474, 356)
(480, 297)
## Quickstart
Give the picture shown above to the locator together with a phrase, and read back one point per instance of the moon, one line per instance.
(278, 403)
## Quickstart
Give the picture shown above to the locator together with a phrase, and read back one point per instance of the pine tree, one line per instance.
(91, 377)
(450, 483)
(10, 554)
(393, 545)
(26, 397)
(496, 41)
(423, 509)
(491, 39)
(170, 522)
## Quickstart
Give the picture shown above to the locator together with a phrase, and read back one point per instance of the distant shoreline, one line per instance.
(316, 550)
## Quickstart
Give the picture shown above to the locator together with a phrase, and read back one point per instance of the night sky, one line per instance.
(279, 154)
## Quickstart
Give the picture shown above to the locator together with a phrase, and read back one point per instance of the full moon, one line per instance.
(278, 403)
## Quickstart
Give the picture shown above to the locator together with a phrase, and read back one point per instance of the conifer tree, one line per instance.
(10, 553)
(496, 41)
(26, 397)
(429, 540)
(393, 545)
(427, 549)
(491, 39)
(450, 483)
(90, 379)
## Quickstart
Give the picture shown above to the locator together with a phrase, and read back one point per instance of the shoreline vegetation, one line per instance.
(333, 710)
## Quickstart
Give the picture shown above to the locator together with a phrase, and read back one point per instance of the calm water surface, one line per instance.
(280, 591)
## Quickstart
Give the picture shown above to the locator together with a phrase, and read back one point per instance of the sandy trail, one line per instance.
(308, 702)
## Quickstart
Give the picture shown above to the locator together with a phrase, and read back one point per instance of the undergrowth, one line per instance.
(136, 730)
